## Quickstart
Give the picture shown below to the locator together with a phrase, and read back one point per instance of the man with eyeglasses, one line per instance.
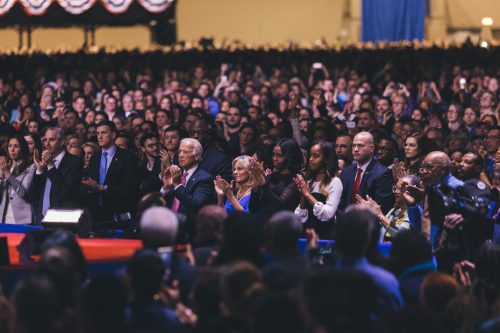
(435, 173)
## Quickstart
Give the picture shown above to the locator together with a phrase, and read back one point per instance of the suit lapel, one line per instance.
(113, 165)
(192, 180)
(63, 162)
(351, 179)
(367, 174)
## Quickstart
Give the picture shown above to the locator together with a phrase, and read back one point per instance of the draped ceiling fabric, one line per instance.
(393, 20)
(61, 13)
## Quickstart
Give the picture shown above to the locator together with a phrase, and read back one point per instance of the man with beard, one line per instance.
(470, 167)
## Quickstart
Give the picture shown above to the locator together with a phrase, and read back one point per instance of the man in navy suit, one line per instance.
(187, 187)
(113, 184)
(57, 179)
(366, 176)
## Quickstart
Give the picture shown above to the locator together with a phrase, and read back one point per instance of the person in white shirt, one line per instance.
(321, 192)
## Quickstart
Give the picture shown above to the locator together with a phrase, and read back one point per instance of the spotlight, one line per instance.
(486, 34)
(487, 21)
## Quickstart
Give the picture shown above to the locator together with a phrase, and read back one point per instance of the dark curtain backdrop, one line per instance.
(393, 20)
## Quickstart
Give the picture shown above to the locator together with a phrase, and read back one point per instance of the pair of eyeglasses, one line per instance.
(396, 189)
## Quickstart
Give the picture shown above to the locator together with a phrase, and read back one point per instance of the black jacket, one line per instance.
(122, 182)
(65, 188)
(216, 163)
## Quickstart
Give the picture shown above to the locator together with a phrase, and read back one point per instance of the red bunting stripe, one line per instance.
(77, 7)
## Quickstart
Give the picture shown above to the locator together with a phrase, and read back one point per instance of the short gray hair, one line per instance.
(159, 227)
(59, 132)
(198, 149)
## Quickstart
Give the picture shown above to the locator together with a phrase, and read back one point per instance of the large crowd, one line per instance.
(221, 161)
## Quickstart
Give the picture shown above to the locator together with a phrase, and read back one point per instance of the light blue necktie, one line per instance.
(102, 172)
(46, 195)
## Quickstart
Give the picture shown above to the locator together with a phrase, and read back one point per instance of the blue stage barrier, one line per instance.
(18, 228)
(326, 246)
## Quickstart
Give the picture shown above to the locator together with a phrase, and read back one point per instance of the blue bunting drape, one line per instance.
(393, 20)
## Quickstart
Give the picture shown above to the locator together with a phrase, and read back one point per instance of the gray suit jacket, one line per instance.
(14, 191)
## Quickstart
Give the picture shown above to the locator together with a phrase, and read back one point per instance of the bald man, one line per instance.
(366, 176)
(435, 170)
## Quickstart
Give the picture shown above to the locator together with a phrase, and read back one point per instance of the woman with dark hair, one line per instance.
(34, 142)
(16, 175)
(27, 114)
(163, 119)
(287, 162)
(321, 192)
(415, 149)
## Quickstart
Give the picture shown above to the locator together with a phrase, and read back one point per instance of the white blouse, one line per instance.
(323, 211)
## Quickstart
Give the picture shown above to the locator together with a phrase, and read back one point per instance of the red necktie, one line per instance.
(176, 204)
(357, 184)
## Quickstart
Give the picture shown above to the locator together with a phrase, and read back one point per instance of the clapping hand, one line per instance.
(167, 178)
(301, 184)
(464, 272)
(398, 170)
(176, 173)
(38, 162)
(4, 167)
(47, 159)
(222, 187)
(257, 170)
(91, 185)
(165, 159)
(371, 203)
(413, 194)
(218, 189)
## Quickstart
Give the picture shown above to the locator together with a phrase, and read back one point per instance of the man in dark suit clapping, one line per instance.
(366, 176)
(187, 187)
(113, 184)
(57, 178)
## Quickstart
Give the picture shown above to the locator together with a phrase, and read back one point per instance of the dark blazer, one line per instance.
(150, 180)
(198, 192)
(64, 192)
(122, 182)
(377, 182)
(216, 163)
